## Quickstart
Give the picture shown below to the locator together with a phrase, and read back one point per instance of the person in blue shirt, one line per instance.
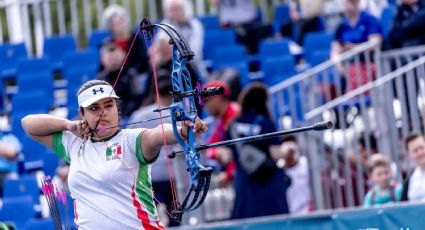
(10, 147)
(357, 27)
(260, 187)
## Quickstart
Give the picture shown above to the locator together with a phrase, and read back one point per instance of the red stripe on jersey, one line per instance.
(141, 214)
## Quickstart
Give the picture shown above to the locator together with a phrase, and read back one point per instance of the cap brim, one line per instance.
(96, 98)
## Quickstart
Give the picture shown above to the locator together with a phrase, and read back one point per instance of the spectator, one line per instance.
(225, 111)
(178, 13)
(385, 190)
(374, 7)
(127, 85)
(356, 28)
(408, 25)
(10, 147)
(242, 16)
(116, 20)
(307, 15)
(260, 187)
(162, 53)
(296, 167)
(414, 186)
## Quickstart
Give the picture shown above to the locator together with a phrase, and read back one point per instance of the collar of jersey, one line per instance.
(106, 139)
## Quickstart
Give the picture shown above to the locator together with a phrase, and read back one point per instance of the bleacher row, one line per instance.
(64, 66)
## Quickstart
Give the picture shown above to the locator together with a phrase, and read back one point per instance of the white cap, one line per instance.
(95, 93)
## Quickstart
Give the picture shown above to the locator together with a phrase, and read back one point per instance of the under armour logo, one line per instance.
(99, 90)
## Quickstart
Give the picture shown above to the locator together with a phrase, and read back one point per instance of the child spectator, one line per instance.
(385, 190)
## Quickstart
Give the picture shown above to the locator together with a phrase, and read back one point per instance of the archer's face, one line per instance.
(106, 111)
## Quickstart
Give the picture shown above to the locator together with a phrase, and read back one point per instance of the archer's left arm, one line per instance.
(152, 140)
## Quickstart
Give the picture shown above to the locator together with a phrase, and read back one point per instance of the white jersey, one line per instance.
(109, 181)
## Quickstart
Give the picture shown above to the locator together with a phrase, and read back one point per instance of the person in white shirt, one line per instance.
(109, 176)
(295, 165)
(178, 13)
(414, 186)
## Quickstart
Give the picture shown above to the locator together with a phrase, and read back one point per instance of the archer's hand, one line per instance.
(80, 128)
(198, 128)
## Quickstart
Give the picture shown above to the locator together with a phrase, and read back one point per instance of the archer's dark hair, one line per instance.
(92, 83)
(254, 99)
(411, 137)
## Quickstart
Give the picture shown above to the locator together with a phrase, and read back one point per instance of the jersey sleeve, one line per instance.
(63, 143)
(133, 142)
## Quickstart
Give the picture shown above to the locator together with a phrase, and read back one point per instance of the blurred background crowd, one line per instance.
(281, 64)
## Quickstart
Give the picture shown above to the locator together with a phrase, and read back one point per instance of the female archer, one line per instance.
(109, 176)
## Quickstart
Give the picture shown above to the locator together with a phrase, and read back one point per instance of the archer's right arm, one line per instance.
(41, 127)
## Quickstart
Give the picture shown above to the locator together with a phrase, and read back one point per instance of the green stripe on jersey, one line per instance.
(143, 184)
(58, 147)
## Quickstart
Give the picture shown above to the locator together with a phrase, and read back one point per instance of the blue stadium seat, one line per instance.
(281, 16)
(217, 38)
(72, 102)
(273, 48)
(34, 154)
(277, 69)
(80, 67)
(317, 41)
(55, 47)
(228, 54)
(232, 56)
(36, 75)
(43, 224)
(29, 102)
(26, 185)
(18, 210)
(210, 22)
(50, 163)
(26, 103)
(9, 57)
(314, 58)
(97, 37)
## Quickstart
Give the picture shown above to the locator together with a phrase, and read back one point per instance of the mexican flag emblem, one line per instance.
(113, 152)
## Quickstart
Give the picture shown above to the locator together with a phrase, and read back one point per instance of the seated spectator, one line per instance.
(242, 16)
(408, 25)
(357, 27)
(307, 15)
(414, 186)
(10, 147)
(224, 111)
(127, 85)
(260, 187)
(116, 20)
(178, 13)
(384, 189)
(162, 53)
(295, 165)
(374, 7)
